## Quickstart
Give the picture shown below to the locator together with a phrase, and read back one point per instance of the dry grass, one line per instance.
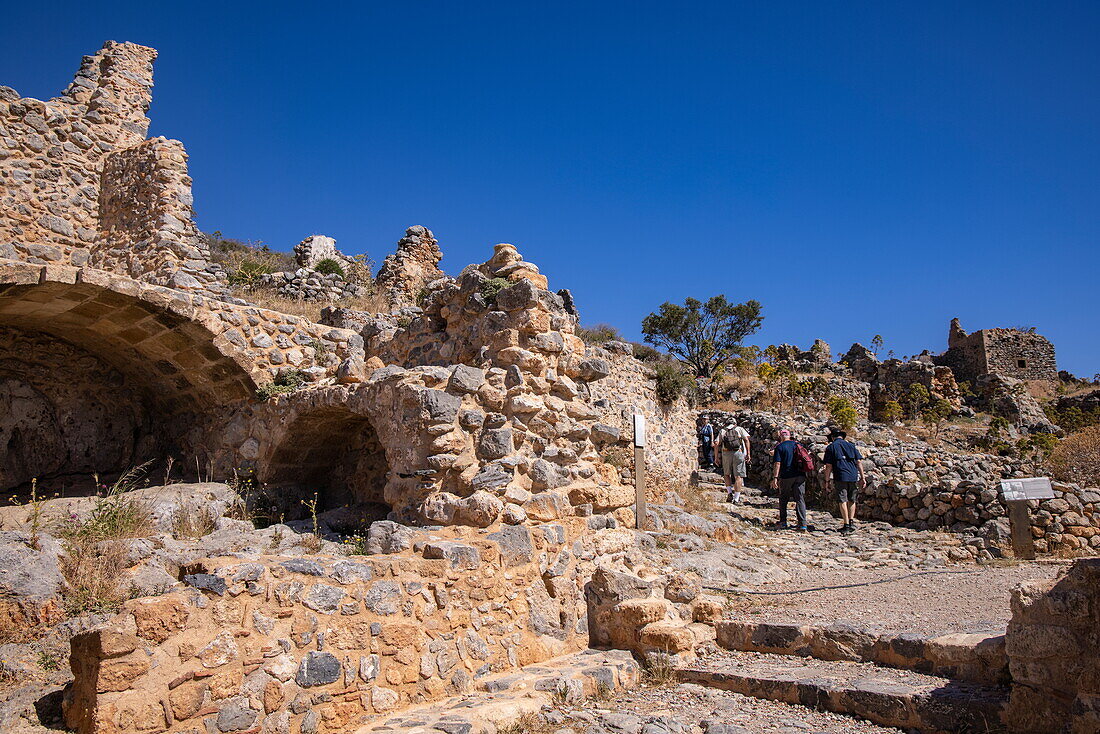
(695, 499)
(528, 723)
(1077, 458)
(270, 299)
(194, 522)
(95, 558)
(658, 671)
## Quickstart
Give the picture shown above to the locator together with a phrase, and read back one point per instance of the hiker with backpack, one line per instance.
(844, 471)
(705, 433)
(733, 440)
(791, 462)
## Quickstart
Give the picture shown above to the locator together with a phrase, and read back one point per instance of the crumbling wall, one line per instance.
(893, 379)
(1022, 355)
(145, 220)
(81, 185)
(325, 645)
(1054, 653)
(630, 388)
(405, 273)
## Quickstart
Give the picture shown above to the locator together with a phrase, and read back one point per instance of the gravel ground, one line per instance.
(967, 598)
(692, 709)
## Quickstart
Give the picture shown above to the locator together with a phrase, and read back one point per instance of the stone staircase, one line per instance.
(947, 683)
(905, 699)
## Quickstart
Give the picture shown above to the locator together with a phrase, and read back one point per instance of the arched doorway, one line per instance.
(334, 454)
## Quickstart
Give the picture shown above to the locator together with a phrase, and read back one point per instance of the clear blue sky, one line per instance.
(858, 168)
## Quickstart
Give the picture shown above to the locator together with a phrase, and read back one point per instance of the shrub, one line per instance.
(287, 381)
(672, 383)
(328, 266)
(598, 334)
(491, 287)
(842, 412)
(892, 411)
(1077, 458)
(646, 353)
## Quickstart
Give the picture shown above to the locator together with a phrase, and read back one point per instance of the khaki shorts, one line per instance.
(733, 463)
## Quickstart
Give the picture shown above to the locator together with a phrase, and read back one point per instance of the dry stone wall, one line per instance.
(324, 644)
(925, 487)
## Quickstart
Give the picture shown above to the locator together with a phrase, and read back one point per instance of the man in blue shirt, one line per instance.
(789, 479)
(845, 473)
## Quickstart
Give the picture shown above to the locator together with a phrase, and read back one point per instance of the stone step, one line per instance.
(503, 700)
(978, 657)
(904, 699)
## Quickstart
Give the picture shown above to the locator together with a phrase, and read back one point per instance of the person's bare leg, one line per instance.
(738, 487)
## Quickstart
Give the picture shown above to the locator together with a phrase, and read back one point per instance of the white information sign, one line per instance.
(1027, 488)
(639, 430)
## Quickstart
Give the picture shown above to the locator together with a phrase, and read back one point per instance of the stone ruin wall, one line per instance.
(161, 362)
(82, 186)
(916, 485)
(670, 429)
(325, 645)
(1053, 651)
(998, 352)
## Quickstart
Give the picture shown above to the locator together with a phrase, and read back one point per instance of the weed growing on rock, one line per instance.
(658, 671)
(287, 381)
(528, 723)
(94, 559)
(328, 266)
(48, 661)
(193, 522)
(491, 287)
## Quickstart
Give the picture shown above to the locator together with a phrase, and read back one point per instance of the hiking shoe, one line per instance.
(848, 529)
(802, 528)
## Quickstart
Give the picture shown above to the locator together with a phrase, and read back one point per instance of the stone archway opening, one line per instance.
(95, 381)
(335, 454)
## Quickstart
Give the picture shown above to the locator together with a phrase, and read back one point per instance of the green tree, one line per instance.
(916, 399)
(936, 413)
(892, 412)
(842, 412)
(703, 335)
(876, 344)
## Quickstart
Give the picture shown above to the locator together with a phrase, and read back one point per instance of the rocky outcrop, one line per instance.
(404, 274)
(1054, 653)
(1010, 399)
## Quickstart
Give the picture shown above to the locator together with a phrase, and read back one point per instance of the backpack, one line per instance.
(731, 440)
(802, 459)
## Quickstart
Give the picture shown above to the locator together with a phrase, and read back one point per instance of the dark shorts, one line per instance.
(846, 491)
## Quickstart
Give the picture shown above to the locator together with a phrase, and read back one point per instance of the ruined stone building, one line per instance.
(1020, 355)
(120, 341)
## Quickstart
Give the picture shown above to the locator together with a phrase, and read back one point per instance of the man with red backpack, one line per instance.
(791, 462)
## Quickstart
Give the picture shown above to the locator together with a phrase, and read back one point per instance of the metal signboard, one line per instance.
(639, 430)
(1027, 488)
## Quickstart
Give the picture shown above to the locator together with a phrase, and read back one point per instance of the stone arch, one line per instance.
(335, 452)
(100, 373)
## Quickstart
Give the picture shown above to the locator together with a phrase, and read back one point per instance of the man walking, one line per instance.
(789, 479)
(845, 474)
(733, 440)
(705, 432)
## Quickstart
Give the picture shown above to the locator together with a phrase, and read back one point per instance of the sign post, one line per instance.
(1016, 493)
(639, 471)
